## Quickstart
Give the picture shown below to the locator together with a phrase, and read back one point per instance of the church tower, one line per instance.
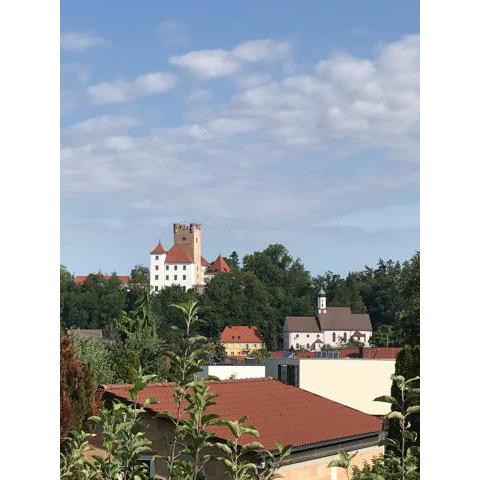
(190, 237)
(322, 301)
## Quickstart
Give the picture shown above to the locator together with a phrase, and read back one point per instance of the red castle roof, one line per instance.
(158, 250)
(124, 279)
(280, 412)
(219, 265)
(240, 334)
(178, 254)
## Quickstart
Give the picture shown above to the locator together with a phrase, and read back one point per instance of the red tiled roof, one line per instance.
(205, 262)
(158, 250)
(219, 265)
(304, 354)
(178, 254)
(240, 334)
(280, 412)
(124, 279)
(379, 353)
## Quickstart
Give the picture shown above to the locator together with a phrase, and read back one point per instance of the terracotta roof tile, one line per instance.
(280, 412)
(178, 254)
(379, 353)
(158, 250)
(219, 265)
(124, 279)
(205, 262)
(240, 334)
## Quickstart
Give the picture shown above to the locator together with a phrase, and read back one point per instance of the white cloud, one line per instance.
(123, 91)
(269, 151)
(77, 41)
(219, 63)
(98, 127)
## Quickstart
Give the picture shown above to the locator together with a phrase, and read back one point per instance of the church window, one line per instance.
(308, 335)
(333, 336)
(308, 345)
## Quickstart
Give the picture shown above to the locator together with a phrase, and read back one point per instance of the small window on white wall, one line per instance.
(184, 267)
(156, 277)
(156, 257)
(334, 336)
(166, 277)
(167, 268)
(184, 277)
(156, 267)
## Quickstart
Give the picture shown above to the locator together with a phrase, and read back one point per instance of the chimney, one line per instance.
(321, 301)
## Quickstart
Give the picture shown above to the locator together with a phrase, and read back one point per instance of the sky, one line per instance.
(265, 122)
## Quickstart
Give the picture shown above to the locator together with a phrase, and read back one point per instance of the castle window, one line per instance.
(156, 277)
(184, 267)
(175, 267)
(174, 277)
(184, 277)
(156, 267)
(156, 257)
(167, 268)
(167, 277)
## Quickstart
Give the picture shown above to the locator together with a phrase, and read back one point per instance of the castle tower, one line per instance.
(190, 237)
(322, 301)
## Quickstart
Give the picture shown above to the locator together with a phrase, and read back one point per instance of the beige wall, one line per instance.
(318, 469)
(239, 349)
(353, 382)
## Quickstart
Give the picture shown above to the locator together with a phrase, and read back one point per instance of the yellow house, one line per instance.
(240, 340)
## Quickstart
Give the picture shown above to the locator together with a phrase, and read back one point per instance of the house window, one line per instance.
(334, 336)
(156, 267)
(184, 277)
(156, 257)
(156, 277)
(174, 277)
(288, 374)
(167, 268)
(246, 346)
(175, 267)
(156, 288)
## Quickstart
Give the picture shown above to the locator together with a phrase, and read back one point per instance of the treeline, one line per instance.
(263, 288)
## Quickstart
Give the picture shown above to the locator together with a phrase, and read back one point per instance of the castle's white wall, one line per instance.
(159, 271)
(157, 263)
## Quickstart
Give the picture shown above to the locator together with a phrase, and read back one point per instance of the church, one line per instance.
(330, 326)
(183, 264)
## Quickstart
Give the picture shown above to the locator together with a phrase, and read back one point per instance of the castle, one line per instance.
(183, 264)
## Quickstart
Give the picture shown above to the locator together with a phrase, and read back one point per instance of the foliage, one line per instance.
(408, 366)
(77, 389)
(122, 440)
(344, 461)
(239, 460)
(95, 355)
(386, 336)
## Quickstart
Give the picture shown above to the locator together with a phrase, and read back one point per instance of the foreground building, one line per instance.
(316, 427)
(183, 264)
(240, 340)
(353, 381)
(330, 326)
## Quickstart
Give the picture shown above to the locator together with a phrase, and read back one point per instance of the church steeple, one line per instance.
(321, 301)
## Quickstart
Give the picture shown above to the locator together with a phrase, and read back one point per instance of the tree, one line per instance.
(77, 389)
(385, 336)
(234, 261)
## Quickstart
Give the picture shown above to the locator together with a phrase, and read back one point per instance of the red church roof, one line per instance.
(240, 334)
(280, 412)
(158, 250)
(124, 279)
(178, 254)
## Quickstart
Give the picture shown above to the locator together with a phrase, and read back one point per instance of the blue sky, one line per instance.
(275, 121)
